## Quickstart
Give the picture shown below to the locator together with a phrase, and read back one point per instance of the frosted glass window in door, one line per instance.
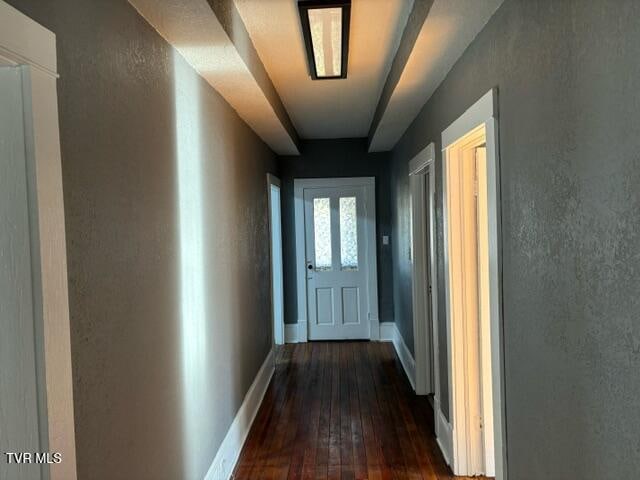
(322, 233)
(348, 234)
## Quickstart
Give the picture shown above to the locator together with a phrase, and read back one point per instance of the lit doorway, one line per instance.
(473, 288)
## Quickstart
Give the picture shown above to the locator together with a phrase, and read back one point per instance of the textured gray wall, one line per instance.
(568, 77)
(166, 221)
(336, 158)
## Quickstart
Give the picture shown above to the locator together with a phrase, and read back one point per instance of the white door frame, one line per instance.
(482, 115)
(26, 43)
(299, 185)
(275, 249)
(424, 332)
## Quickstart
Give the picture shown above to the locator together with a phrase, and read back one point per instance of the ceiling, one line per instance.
(252, 52)
(449, 28)
(327, 108)
(205, 39)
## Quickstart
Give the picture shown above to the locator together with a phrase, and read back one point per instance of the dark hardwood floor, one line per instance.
(341, 410)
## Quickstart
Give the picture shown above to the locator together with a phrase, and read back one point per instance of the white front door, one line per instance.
(337, 271)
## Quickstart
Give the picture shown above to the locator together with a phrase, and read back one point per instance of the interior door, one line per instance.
(336, 269)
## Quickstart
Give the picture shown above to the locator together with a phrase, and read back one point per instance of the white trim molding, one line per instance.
(423, 267)
(479, 113)
(24, 41)
(369, 184)
(444, 434)
(275, 264)
(423, 159)
(225, 460)
(28, 45)
(389, 333)
(477, 126)
(291, 333)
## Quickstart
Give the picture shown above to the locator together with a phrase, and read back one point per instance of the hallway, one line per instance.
(341, 410)
(319, 239)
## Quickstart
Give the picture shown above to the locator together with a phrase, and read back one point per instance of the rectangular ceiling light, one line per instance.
(325, 27)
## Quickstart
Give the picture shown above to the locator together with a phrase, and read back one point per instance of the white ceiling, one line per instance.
(327, 108)
(324, 108)
(450, 27)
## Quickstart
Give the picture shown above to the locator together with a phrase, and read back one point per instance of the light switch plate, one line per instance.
(385, 239)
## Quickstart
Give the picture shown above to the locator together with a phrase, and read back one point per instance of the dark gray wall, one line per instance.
(166, 223)
(568, 77)
(336, 158)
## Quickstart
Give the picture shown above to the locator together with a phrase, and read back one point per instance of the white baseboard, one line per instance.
(295, 332)
(406, 358)
(374, 329)
(302, 330)
(444, 433)
(225, 460)
(291, 333)
(389, 333)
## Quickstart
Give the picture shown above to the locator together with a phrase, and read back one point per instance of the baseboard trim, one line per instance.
(389, 333)
(444, 433)
(406, 358)
(225, 460)
(291, 333)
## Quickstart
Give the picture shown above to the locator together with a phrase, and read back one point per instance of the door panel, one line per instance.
(350, 305)
(335, 240)
(324, 306)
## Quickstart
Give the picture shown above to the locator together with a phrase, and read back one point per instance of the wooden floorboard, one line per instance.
(341, 410)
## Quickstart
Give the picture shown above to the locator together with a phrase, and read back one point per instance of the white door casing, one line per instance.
(277, 288)
(473, 290)
(23, 416)
(422, 183)
(27, 44)
(335, 233)
(484, 312)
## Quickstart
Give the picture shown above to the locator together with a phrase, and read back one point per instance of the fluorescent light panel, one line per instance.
(326, 37)
(325, 26)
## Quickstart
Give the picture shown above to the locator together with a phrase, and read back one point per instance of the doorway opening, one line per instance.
(473, 288)
(335, 224)
(423, 268)
(275, 229)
